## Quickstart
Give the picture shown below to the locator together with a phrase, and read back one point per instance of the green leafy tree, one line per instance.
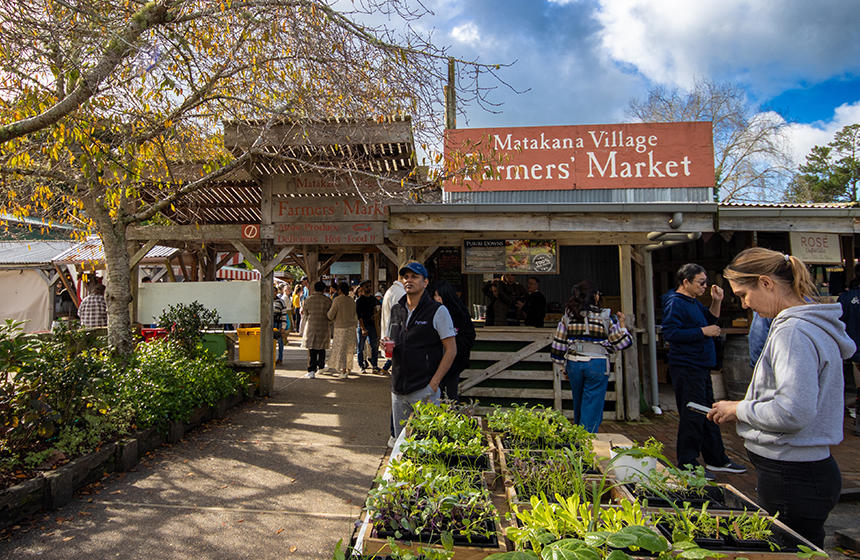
(101, 100)
(831, 173)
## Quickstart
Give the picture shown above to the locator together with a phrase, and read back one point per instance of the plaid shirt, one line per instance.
(93, 311)
(593, 329)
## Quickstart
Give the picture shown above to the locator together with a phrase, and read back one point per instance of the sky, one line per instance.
(583, 61)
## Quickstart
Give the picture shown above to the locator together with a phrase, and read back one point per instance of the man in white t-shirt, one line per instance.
(392, 296)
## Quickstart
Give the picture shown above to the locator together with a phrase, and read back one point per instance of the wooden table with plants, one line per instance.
(552, 492)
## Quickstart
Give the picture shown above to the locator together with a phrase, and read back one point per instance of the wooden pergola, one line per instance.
(318, 191)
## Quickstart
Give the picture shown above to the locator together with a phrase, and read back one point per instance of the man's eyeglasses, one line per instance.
(702, 282)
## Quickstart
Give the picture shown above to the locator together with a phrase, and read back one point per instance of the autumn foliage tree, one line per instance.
(100, 97)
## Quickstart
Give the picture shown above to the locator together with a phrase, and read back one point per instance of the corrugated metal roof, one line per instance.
(92, 250)
(33, 252)
(580, 196)
(789, 205)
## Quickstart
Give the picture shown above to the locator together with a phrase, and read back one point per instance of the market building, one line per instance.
(621, 206)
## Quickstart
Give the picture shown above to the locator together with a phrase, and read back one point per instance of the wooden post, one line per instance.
(133, 277)
(450, 91)
(404, 255)
(628, 385)
(374, 272)
(640, 337)
(267, 298)
(365, 267)
(169, 267)
(848, 257)
(312, 265)
(194, 269)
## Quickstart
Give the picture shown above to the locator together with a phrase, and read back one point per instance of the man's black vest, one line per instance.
(417, 346)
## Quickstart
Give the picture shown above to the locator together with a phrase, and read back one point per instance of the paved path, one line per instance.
(283, 477)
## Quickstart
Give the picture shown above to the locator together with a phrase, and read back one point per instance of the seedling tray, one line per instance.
(616, 493)
(435, 538)
(484, 463)
(733, 548)
(376, 544)
(720, 498)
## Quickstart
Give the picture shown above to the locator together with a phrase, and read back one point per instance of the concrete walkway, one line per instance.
(283, 477)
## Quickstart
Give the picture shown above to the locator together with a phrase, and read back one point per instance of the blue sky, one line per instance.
(584, 60)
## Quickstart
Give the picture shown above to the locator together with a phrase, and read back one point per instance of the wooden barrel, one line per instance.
(737, 372)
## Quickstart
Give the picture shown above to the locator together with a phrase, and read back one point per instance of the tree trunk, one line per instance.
(118, 288)
(118, 294)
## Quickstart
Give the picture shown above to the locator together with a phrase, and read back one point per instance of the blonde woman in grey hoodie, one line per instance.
(792, 411)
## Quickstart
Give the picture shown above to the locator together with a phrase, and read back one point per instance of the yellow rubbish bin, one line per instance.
(249, 345)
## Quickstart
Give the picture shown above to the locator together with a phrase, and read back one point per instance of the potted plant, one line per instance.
(569, 517)
(639, 540)
(470, 454)
(636, 462)
(670, 487)
(396, 552)
(745, 531)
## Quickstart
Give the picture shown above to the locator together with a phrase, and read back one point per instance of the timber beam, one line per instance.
(231, 232)
(553, 223)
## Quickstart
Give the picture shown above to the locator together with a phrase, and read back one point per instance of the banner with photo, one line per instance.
(515, 256)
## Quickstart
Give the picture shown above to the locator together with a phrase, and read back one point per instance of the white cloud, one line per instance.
(769, 45)
(466, 33)
(804, 136)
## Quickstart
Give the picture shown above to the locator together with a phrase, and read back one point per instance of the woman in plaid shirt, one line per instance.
(585, 338)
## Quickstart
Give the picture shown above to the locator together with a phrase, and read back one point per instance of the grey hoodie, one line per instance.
(793, 408)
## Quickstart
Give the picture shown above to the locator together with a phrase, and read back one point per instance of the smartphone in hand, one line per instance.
(696, 407)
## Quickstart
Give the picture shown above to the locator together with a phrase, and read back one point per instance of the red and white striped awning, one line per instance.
(237, 258)
(233, 273)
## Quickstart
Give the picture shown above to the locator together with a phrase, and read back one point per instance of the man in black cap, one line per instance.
(424, 345)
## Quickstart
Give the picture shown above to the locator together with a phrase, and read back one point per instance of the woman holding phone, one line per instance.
(792, 411)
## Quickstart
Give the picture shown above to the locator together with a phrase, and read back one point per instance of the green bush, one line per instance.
(185, 323)
(164, 382)
(64, 396)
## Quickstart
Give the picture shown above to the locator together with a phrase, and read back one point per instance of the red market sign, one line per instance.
(331, 233)
(616, 156)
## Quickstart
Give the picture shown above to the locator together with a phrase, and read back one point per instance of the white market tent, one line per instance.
(27, 279)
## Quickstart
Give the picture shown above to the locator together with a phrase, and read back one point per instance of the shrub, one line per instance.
(185, 323)
(163, 382)
(65, 396)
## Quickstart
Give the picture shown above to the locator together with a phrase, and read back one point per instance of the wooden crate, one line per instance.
(489, 475)
(374, 545)
(728, 554)
(616, 493)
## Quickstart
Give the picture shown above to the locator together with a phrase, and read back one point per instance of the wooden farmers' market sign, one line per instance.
(611, 156)
(328, 221)
(517, 256)
(816, 248)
